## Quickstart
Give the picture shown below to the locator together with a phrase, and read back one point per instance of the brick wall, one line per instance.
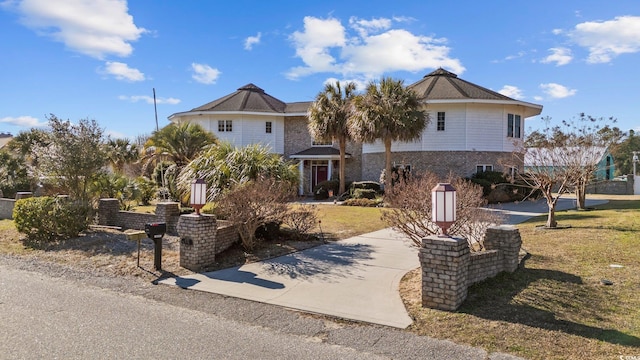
(462, 163)
(6, 208)
(202, 238)
(448, 266)
(110, 215)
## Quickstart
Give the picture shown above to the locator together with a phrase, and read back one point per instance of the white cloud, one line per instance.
(364, 27)
(92, 27)
(557, 31)
(557, 91)
(512, 92)
(538, 98)
(22, 121)
(204, 73)
(608, 39)
(149, 99)
(252, 40)
(122, 71)
(560, 56)
(371, 49)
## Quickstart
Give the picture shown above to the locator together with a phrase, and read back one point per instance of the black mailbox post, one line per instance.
(155, 232)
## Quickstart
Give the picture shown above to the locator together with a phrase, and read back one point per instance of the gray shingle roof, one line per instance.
(247, 98)
(444, 85)
(319, 151)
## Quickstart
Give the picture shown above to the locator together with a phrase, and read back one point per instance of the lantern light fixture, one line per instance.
(198, 194)
(443, 212)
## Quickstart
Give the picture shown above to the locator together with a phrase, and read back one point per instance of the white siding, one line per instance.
(247, 129)
(468, 127)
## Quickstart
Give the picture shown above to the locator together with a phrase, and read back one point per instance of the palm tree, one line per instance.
(178, 143)
(328, 118)
(390, 112)
(121, 152)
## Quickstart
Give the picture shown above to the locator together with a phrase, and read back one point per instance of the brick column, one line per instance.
(108, 211)
(506, 239)
(197, 241)
(444, 263)
(168, 212)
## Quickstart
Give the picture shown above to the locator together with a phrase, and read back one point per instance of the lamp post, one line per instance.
(443, 200)
(635, 160)
(198, 196)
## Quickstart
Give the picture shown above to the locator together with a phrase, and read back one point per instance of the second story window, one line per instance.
(440, 124)
(483, 168)
(514, 125)
(322, 143)
(225, 125)
(268, 126)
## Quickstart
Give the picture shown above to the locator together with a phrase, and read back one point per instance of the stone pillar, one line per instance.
(445, 263)
(108, 211)
(197, 241)
(506, 239)
(168, 212)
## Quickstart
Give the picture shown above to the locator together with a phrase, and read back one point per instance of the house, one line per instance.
(472, 129)
(542, 159)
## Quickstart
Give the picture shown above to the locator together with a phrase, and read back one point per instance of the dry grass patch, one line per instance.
(341, 222)
(557, 307)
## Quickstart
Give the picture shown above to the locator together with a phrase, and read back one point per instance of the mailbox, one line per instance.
(155, 232)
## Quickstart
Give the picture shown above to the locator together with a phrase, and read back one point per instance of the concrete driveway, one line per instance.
(355, 278)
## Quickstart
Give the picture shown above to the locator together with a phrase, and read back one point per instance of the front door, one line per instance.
(319, 173)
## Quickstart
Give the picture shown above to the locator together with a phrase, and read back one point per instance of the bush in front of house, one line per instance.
(45, 219)
(369, 185)
(364, 194)
(301, 219)
(321, 191)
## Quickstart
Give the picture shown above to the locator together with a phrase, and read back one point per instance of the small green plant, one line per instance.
(45, 219)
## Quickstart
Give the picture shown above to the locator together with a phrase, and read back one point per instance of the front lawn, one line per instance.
(557, 307)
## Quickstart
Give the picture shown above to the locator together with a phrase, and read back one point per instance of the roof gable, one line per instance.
(444, 85)
(248, 98)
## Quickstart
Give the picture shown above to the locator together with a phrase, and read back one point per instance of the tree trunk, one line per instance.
(387, 167)
(581, 195)
(343, 146)
(551, 217)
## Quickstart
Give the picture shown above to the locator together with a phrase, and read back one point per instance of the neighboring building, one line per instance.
(543, 159)
(472, 129)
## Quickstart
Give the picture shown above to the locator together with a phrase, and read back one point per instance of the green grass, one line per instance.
(341, 222)
(556, 307)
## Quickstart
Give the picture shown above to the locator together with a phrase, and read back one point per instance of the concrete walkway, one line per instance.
(355, 278)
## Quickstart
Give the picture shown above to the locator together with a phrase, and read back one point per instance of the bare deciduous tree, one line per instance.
(410, 210)
(252, 204)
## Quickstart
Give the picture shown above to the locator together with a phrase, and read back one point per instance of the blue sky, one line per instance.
(100, 59)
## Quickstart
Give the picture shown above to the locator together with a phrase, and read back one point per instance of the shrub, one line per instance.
(45, 219)
(321, 191)
(370, 185)
(269, 231)
(301, 219)
(361, 202)
(364, 194)
(410, 211)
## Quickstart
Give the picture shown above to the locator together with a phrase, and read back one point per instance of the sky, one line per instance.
(102, 59)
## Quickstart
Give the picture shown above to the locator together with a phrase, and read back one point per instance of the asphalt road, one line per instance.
(55, 319)
(55, 312)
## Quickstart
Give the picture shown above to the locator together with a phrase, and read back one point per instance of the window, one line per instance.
(514, 125)
(267, 128)
(483, 168)
(513, 172)
(322, 143)
(225, 125)
(440, 123)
